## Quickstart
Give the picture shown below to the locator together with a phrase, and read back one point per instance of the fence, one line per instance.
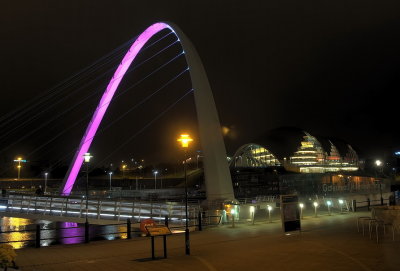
(97, 208)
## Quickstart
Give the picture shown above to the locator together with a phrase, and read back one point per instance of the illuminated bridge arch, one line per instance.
(217, 175)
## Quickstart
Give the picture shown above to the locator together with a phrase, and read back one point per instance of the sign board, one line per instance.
(158, 230)
(290, 213)
(146, 223)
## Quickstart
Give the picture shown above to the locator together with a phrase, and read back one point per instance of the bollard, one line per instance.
(166, 221)
(86, 232)
(368, 203)
(354, 205)
(128, 229)
(199, 221)
(37, 240)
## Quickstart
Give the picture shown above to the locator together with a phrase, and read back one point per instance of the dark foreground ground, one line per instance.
(326, 243)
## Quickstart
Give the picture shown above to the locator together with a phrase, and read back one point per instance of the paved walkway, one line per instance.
(326, 243)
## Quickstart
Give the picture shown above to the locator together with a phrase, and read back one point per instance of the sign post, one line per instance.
(154, 231)
(290, 213)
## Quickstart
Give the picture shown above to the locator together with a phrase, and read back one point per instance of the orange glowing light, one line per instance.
(185, 139)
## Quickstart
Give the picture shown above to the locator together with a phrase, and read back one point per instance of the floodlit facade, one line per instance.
(310, 157)
(253, 155)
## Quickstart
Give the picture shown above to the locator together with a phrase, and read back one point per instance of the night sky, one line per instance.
(328, 67)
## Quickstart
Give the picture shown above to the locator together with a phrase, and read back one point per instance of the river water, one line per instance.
(13, 232)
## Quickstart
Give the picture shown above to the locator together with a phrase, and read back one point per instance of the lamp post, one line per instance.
(110, 174)
(19, 160)
(269, 207)
(233, 216)
(329, 203)
(315, 207)
(341, 205)
(87, 158)
(252, 211)
(155, 172)
(301, 205)
(378, 163)
(185, 140)
(45, 181)
(123, 171)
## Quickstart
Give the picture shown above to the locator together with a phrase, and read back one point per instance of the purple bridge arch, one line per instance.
(217, 176)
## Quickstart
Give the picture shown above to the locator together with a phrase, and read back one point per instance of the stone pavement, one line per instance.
(326, 243)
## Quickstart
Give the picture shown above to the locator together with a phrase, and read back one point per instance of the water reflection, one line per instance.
(14, 224)
(72, 233)
(20, 232)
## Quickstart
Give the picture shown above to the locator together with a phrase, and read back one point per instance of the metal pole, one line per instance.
(87, 191)
(19, 169)
(110, 180)
(128, 229)
(87, 205)
(187, 242)
(380, 190)
(45, 182)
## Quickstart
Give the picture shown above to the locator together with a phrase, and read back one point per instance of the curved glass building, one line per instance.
(300, 152)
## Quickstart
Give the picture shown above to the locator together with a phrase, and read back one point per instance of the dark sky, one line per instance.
(329, 67)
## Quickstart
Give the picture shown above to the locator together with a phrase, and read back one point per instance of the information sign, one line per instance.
(290, 213)
(146, 223)
(158, 230)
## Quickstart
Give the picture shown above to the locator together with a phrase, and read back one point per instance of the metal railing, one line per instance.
(97, 208)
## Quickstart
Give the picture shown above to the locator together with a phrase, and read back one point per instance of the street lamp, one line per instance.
(45, 181)
(155, 179)
(19, 160)
(87, 158)
(301, 205)
(123, 171)
(233, 216)
(269, 207)
(185, 140)
(341, 205)
(252, 211)
(378, 163)
(329, 203)
(110, 174)
(315, 207)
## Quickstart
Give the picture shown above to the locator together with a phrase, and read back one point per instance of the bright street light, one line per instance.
(123, 171)
(252, 211)
(185, 139)
(87, 158)
(341, 205)
(45, 181)
(269, 207)
(233, 212)
(315, 207)
(301, 205)
(110, 174)
(155, 179)
(19, 160)
(329, 203)
(378, 163)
